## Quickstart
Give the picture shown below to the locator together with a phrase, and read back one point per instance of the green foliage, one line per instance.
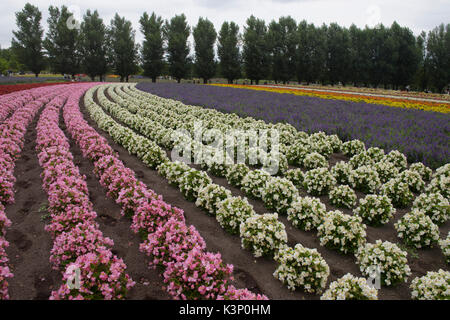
(152, 52)
(255, 51)
(27, 41)
(62, 43)
(177, 32)
(204, 37)
(228, 51)
(123, 52)
(93, 45)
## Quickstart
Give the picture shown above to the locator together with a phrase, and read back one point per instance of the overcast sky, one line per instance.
(418, 15)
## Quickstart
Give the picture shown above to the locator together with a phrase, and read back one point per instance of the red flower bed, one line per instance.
(8, 88)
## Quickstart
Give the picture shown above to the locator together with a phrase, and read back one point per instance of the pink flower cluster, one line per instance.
(190, 271)
(78, 244)
(12, 132)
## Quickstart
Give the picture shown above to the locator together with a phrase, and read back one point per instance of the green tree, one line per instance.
(93, 45)
(62, 42)
(177, 32)
(255, 51)
(27, 41)
(438, 56)
(282, 41)
(228, 51)
(338, 58)
(204, 37)
(123, 51)
(152, 52)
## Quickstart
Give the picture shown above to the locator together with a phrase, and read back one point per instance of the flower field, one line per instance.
(96, 202)
(6, 89)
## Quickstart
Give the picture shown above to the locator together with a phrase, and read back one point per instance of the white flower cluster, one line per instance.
(341, 171)
(440, 184)
(417, 229)
(361, 159)
(353, 147)
(398, 192)
(365, 179)
(232, 212)
(432, 286)
(314, 160)
(421, 169)
(318, 181)
(173, 171)
(413, 179)
(191, 182)
(274, 160)
(300, 267)
(343, 196)
(306, 213)
(335, 142)
(397, 158)
(385, 258)
(236, 173)
(263, 234)
(433, 205)
(320, 143)
(278, 194)
(254, 182)
(342, 232)
(442, 171)
(350, 287)
(375, 210)
(296, 176)
(386, 171)
(210, 196)
(445, 247)
(297, 152)
(375, 153)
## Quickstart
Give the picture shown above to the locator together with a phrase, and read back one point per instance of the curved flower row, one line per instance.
(12, 133)
(190, 271)
(79, 249)
(392, 102)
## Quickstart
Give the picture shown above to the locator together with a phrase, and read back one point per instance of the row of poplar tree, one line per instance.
(282, 51)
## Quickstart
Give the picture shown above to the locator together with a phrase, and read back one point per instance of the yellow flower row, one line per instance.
(392, 102)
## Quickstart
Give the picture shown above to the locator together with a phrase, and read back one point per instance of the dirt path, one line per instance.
(30, 244)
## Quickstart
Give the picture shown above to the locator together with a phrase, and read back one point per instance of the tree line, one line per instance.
(282, 50)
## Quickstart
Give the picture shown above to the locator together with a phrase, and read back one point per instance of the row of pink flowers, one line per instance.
(190, 272)
(12, 132)
(79, 250)
(12, 101)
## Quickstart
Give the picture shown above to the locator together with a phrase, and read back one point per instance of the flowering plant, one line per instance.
(433, 205)
(386, 171)
(353, 147)
(173, 171)
(397, 158)
(342, 232)
(445, 247)
(295, 176)
(263, 234)
(191, 182)
(398, 192)
(432, 286)
(375, 210)
(365, 179)
(236, 173)
(318, 181)
(417, 229)
(278, 194)
(232, 212)
(209, 197)
(420, 168)
(412, 179)
(314, 160)
(350, 287)
(343, 196)
(300, 267)
(385, 258)
(254, 183)
(306, 213)
(341, 172)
